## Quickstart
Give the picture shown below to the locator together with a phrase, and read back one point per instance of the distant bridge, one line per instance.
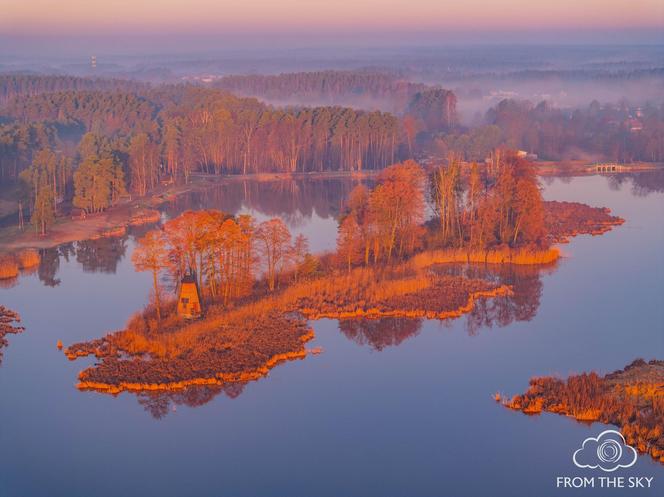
(609, 168)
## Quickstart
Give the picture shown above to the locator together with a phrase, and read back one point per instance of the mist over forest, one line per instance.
(480, 76)
(139, 121)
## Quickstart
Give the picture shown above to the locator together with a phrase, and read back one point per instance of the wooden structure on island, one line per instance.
(189, 297)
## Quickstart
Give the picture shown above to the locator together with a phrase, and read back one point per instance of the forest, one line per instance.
(21, 85)
(353, 88)
(69, 142)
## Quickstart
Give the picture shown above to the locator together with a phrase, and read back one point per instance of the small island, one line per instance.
(632, 399)
(245, 292)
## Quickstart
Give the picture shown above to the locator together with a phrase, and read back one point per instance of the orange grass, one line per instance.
(521, 256)
(243, 343)
(632, 399)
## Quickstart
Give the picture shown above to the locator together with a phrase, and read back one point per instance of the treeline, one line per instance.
(364, 88)
(194, 129)
(110, 114)
(601, 132)
(495, 208)
(21, 85)
(173, 131)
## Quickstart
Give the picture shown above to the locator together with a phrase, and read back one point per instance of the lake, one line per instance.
(390, 408)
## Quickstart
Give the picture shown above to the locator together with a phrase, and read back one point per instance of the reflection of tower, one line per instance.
(93, 62)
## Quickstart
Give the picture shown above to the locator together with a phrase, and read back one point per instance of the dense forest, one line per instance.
(118, 141)
(89, 142)
(16, 85)
(354, 88)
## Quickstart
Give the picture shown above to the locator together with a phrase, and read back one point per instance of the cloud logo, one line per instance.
(608, 452)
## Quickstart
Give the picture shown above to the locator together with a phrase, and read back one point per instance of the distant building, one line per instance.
(189, 297)
(93, 62)
(634, 125)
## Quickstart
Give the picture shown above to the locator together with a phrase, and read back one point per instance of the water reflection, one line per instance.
(380, 333)
(102, 255)
(501, 311)
(642, 183)
(290, 199)
(159, 404)
(295, 201)
(95, 256)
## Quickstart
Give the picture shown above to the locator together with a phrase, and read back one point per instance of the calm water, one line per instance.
(389, 409)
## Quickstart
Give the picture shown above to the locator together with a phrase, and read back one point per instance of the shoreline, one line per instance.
(219, 378)
(631, 399)
(217, 345)
(114, 220)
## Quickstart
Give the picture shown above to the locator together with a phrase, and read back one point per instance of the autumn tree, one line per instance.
(151, 254)
(98, 183)
(349, 242)
(397, 209)
(43, 213)
(143, 163)
(297, 254)
(273, 238)
(445, 190)
(186, 235)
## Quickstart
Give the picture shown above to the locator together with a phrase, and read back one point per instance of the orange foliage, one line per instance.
(242, 343)
(8, 325)
(8, 267)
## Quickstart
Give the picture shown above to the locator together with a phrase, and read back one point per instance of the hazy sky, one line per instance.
(189, 23)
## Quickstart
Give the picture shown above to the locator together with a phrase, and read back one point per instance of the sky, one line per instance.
(191, 24)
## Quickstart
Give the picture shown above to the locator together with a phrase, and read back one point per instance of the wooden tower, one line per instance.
(189, 297)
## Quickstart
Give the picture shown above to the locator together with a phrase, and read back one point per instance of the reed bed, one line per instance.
(520, 256)
(632, 399)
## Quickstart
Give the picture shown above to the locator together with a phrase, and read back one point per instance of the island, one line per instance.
(631, 399)
(245, 291)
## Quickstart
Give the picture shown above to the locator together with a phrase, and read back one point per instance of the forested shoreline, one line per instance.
(70, 142)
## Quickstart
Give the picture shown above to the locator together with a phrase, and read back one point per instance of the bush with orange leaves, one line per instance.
(632, 399)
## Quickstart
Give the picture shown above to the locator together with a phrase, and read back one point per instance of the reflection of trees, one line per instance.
(291, 199)
(49, 262)
(295, 200)
(522, 305)
(102, 255)
(158, 404)
(380, 333)
(643, 182)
